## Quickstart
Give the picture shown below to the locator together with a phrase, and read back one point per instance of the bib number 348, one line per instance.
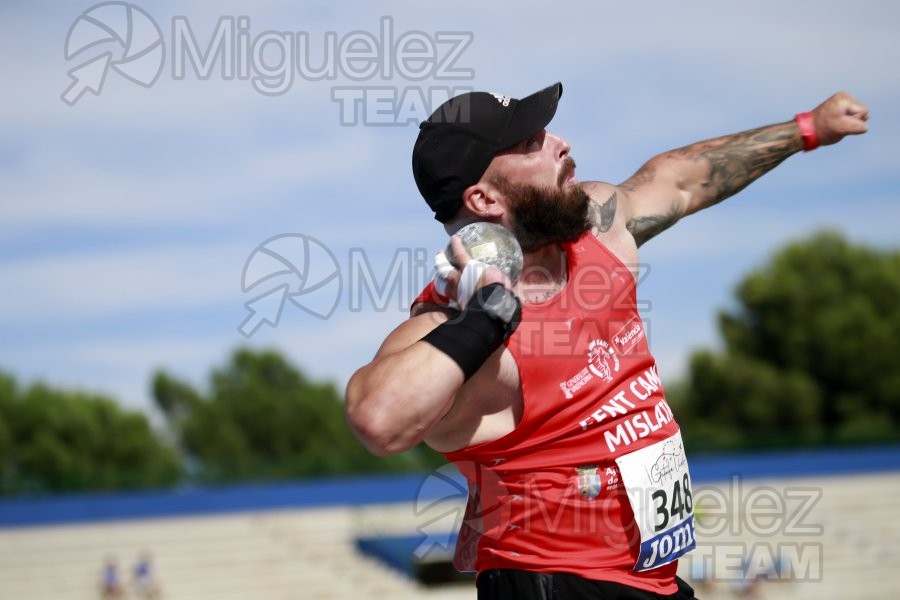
(658, 484)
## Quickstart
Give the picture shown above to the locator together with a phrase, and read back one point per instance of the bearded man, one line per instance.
(544, 392)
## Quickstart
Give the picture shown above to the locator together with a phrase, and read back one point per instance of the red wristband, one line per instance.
(808, 131)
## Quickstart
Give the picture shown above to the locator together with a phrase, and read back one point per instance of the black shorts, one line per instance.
(510, 584)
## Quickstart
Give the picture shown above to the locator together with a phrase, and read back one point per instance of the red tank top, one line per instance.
(548, 496)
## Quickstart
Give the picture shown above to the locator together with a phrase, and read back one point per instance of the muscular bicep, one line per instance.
(653, 199)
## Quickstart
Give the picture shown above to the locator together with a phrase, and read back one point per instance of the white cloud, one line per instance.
(334, 349)
(119, 366)
(60, 186)
(111, 284)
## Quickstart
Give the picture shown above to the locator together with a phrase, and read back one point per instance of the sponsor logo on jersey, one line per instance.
(628, 337)
(589, 482)
(602, 360)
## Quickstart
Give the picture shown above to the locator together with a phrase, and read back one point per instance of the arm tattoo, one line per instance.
(645, 227)
(738, 160)
(643, 176)
(726, 164)
(602, 215)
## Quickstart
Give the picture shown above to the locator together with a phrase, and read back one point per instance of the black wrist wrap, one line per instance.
(469, 339)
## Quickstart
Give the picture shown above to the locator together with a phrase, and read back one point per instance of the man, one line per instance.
(544, 392)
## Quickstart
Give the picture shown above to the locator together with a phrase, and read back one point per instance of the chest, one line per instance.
(619, 241)
(490, 404)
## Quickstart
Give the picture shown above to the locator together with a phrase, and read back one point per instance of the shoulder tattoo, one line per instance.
(603, 215)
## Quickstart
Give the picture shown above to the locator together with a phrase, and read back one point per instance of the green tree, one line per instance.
(7, 404)
(55, 440)
(810, 353)
(263, 419)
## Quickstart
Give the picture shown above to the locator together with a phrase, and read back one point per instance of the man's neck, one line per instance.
(544, 274)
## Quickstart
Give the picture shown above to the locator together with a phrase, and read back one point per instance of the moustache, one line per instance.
(568, 170)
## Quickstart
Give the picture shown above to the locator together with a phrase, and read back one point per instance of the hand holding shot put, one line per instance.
(542, 388)
(497, 259)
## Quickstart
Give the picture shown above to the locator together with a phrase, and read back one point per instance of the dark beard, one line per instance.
(545, 215)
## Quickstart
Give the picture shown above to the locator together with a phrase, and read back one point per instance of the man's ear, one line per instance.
(483, 200)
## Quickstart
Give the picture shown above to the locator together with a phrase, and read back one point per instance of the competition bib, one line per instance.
(658, 484)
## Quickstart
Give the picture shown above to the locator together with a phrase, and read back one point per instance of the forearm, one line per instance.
(710, 171)
(683, 181)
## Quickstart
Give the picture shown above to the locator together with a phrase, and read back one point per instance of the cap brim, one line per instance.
(533, 113)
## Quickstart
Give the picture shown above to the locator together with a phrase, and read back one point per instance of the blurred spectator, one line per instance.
(701, 578)
(780, 569)
(111, 584)
(747, 586)
(145, 585)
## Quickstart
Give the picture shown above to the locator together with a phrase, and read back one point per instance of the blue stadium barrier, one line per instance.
(31, 511)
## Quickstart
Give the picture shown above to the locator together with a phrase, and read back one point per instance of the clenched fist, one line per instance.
(839, 116)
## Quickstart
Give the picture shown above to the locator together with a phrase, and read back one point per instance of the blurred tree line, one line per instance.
(262, 419)
(811, 354)
(810, 357)
(55, 440)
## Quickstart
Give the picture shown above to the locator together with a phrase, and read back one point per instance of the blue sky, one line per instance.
(127, 218)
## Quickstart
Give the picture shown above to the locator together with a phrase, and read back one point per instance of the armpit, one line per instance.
(645, 227)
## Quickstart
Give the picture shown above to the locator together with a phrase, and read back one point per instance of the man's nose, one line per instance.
(562, 146)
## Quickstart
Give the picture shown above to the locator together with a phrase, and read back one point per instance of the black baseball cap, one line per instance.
(458, 141)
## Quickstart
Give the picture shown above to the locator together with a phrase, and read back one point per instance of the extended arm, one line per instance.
(683, 181)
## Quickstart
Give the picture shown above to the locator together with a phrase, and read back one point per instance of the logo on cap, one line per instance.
(504, 100)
